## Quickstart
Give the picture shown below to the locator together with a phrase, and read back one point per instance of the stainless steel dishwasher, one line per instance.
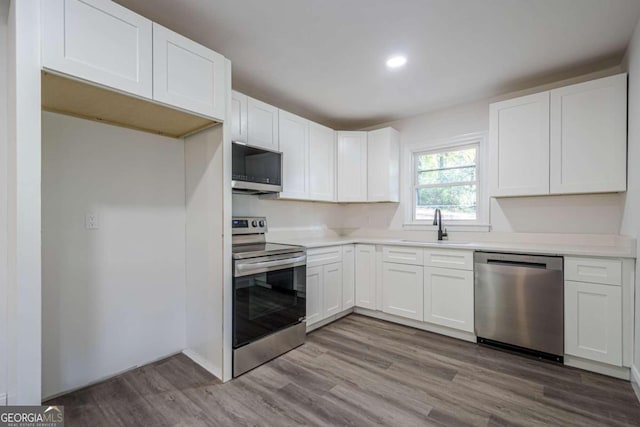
(519, 302)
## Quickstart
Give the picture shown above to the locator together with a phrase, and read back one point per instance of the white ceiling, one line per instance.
(325, 59)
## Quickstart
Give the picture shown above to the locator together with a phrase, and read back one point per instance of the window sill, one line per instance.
(416, 226)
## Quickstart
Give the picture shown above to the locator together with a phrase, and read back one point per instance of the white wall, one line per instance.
(113, 297)
(631, 219)
(4, 16)
(303, 217)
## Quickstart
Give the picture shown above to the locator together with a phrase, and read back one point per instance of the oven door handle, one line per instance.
(246, 268)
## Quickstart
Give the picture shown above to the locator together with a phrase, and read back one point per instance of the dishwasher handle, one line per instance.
(518, 264)
(519, 260)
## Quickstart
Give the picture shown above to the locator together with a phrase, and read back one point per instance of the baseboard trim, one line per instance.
(106, 377)
(330, 319)
(203, 363)
(598, 367)
(442, 330)
(635, 381)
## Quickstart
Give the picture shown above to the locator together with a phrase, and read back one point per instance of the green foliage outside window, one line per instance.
(447, 181)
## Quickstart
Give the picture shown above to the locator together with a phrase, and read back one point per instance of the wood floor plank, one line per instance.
(361, 371)
(382, 409)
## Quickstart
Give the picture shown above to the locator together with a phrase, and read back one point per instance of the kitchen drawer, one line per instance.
(402, 255)
(449, 258)
(323, 256)
(593, 270)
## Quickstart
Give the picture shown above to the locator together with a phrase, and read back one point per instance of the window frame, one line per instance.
(410, 182)
(416, 186)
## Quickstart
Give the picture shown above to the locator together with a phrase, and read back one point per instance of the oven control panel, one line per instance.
(248, 225)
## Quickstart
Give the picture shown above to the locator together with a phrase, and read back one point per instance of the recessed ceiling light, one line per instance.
(396, 61)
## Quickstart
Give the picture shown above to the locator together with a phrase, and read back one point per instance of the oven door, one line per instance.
(269, 294)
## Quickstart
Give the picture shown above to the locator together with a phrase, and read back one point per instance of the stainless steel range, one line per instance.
(269, 295)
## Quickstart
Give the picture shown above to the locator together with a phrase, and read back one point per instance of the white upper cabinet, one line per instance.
(589, 136)
(519, 146)
(383, 165)
(322, 171)
(262, 124)
(239, 117)
(352, 166)
(188, 75)
(368, 166)
(569, 140)
(99, 41)
(308, 148)
(294, 145)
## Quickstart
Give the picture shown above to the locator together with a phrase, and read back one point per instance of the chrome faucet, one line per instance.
(437, 220)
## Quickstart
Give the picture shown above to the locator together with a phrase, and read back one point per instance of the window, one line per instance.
(446, 179)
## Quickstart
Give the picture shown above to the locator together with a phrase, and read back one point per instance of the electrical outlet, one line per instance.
(91, 221)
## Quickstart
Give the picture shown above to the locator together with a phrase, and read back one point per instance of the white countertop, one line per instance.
(522, 247)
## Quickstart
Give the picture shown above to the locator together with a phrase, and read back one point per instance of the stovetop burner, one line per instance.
(249, 239)
(252, 250)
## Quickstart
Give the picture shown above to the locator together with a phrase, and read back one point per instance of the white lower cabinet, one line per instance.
(332, 288)
(315, 278)
(366, 276)
(325, 283)
(593, 321)
(402, 290)
(448, 297)
(348, 277)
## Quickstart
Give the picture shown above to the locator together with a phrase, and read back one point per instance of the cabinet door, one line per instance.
(348, 277)
(332, 289)
(322, 154)
(366, 276)
(315, 277)
(519, 146)
(589, 136)
(448, 298)
(238, 117)
(188, 75)
(99, 41)
(383, 165)
(294, 145)
(262, 124)
(593, 321)
(402, 288)
(352, 166)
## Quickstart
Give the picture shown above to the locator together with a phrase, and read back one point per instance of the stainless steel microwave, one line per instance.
(255, 170)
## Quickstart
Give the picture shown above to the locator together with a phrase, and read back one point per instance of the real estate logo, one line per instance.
(31, 416)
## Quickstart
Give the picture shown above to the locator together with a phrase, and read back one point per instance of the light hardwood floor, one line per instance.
(361, 371)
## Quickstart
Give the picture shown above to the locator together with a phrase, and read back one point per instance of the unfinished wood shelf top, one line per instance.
(75, 98)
